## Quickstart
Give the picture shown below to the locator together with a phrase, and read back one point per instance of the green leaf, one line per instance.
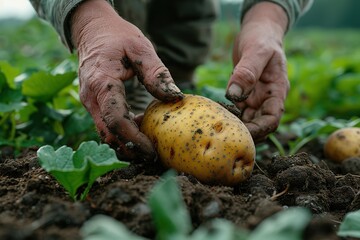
(11, 106)
(43, 86)
(10, 73)
(106, 228)
(9, 95)
(285, 225)
(168, 209)
(3, 82)
(219, 229)
(74, 169)
(350, 227)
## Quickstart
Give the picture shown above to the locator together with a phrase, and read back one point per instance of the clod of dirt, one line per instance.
(355, 204)
(317, 203)
(305, 178)
(341, 197)
(350, 180)
(258, 182)
(351, 165)
(282, 163)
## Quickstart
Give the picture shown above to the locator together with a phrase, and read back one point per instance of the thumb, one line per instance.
(245, 75)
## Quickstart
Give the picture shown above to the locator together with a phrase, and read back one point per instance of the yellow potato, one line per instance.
(342, 144)
(200, 137)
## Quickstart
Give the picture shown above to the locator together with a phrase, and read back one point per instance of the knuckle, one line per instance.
(245, 75)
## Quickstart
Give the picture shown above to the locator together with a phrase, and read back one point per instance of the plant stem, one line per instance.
(277, 144)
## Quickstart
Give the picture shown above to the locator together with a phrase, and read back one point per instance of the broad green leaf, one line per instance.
(285, 225)
(9, 95)
(168, 209)
(101, 227)
(100, 159)
(10, 73)
(74, 169)
(219, 229)
(78, 122)
(43, 86)
(350, 227)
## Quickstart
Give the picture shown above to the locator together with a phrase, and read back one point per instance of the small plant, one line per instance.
(73, 169)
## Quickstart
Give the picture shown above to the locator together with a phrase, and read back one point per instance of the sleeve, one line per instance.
(293, 8)
(58, 13)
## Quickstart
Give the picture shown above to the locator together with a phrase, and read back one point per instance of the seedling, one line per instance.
(73, 169)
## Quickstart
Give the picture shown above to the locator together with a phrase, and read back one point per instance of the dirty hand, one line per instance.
(110, 51)
(259, 84)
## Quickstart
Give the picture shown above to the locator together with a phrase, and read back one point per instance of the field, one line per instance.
(295, 192)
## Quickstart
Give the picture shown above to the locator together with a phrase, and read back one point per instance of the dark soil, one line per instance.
(34, 206)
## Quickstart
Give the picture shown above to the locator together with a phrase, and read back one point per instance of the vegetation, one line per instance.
(74, 169)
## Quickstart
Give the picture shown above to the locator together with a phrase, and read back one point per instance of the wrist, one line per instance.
(90, 15)
(270, 14)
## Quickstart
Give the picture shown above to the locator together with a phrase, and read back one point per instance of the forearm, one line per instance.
(58, 13)
(86, 14)
(293, 8)
(271, 17)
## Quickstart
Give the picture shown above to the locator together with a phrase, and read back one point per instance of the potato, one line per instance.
(342, 144)
(200, 137)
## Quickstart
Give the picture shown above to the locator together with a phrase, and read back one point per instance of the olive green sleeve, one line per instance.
(293, 8)
(58, 13)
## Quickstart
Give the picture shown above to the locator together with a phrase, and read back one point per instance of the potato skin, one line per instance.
(342, 144)
(200, 137)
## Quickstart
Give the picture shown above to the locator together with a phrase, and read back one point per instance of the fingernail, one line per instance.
(234, 93)
(173, 88)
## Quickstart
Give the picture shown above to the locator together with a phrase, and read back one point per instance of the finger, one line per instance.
(138, 118)
(266, 120)
(152, 72)
(246, 74)
(114, 122)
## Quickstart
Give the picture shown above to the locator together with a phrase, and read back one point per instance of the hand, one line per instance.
(259, 84)
(111, 50)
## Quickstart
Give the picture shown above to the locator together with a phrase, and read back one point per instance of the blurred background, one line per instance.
(324, 13)
(38, 86)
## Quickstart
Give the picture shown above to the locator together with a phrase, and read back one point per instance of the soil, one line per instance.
(34, 206)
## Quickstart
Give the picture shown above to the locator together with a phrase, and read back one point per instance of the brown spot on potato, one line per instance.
(218, 127)
(166, 117)
(172, 153)
(199, 131)
(340, 136)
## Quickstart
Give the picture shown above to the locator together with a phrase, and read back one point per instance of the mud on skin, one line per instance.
(170, 92)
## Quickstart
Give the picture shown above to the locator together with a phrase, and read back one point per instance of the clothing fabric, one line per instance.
(293, 8)
(58, 12)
